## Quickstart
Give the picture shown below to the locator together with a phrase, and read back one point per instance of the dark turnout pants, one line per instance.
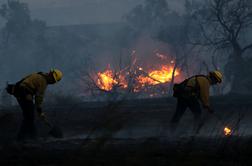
(27, 129)
(182, 104)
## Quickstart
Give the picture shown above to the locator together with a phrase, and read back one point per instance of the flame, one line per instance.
(105, 80)
(227, 131)
(108, 79)
(155, 77)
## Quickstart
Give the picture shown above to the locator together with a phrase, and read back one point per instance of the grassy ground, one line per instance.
(152, 151)
(132, 133)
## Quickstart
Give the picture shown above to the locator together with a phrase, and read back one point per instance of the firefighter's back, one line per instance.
(33, 82)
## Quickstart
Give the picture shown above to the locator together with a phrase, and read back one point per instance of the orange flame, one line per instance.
(105, 80)
(227, 131)
(155, 77)
(108, 79)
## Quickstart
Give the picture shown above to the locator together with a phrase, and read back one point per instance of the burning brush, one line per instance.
(107, 79)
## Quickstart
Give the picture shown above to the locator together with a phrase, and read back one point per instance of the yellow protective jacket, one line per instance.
(36, 85)
(203, 85)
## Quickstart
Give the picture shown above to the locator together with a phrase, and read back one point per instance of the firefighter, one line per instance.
(191, 92)
(32, 88)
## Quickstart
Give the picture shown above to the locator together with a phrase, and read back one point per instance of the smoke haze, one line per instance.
(65, 12)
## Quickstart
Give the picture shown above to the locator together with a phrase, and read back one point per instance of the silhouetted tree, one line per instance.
(17, 18)
(22, 38)
(226, 25)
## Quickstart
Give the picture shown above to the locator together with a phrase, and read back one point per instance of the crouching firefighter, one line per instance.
(190, 93)
(31, 88)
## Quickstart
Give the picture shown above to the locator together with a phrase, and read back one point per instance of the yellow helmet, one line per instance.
(57, 74)
(217, 75)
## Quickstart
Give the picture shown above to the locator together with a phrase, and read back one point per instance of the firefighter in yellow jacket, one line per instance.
(31, 88)
(193, 90)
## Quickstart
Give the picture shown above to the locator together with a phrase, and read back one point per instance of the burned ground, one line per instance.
(135, 132)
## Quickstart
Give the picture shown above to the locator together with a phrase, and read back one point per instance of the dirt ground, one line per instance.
(132, 133)
(152, 151)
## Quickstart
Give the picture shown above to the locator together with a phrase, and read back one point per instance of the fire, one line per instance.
(107, 80)
(134, 74)
(155, 77)
(227, 131)
(138, 78)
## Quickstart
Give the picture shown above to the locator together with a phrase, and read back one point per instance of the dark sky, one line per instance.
(60, 12)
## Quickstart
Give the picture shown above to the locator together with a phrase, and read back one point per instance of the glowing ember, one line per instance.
(155, 77)
(227, 131)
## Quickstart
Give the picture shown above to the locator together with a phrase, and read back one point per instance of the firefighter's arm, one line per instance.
(39, 97)
(204, 95)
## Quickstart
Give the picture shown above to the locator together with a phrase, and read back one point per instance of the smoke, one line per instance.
(75, 48)
(65, 12)
(102, 35)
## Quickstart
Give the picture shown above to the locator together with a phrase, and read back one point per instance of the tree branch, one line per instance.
(249, 46)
